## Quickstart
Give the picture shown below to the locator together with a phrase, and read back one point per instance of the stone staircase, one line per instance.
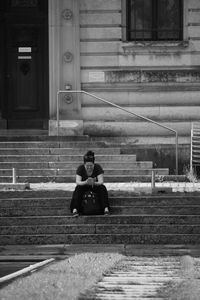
(55, 159)
(43, 217)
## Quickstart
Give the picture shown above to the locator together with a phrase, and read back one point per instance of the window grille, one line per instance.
(155, 20)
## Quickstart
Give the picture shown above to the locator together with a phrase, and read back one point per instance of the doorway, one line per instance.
(25, 63)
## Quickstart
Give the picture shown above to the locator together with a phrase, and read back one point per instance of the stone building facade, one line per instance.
(52, 45)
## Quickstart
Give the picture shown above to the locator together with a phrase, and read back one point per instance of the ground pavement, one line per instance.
(147, 272)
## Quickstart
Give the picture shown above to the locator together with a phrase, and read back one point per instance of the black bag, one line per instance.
(90, 204)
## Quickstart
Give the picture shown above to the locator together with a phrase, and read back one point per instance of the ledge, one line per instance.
(155, 190)
(130, 47)
(15, 186)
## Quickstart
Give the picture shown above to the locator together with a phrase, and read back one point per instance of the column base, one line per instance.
(66, 127)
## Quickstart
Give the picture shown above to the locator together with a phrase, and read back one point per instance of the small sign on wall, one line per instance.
(24, 49)
(97, 76)
(24, 57)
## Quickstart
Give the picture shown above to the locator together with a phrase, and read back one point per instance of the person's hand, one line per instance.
(90, 181)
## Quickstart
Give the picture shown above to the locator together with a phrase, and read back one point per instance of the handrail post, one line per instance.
(153, 175)
(191, 146)
(176, 153)
(14, 180)
(57, 113)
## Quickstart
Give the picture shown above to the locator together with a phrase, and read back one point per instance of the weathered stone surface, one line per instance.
(134, 128)
(34, 194)
(144, 76)
(101, 239)
(112, 219)
(48, 229)
(14, 186)
(107, 178)
(56, 151)
(71, 172)
(70, 128)
(145, 222)
(113, 165)
(34, 211)
(52, 160)
(144, 229)
(116, 210)
(136, 278)
(11, 199)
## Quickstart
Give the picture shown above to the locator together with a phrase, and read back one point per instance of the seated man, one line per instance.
(89, 177)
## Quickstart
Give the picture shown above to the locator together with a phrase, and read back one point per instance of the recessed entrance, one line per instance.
(24, 57)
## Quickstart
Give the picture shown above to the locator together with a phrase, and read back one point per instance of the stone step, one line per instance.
(57, 151)
(13, 134)
(89, 145)
(11, 194)
(71, 172)
(168, 200)
(37, 135)
(112, 219)
(68, 165)
(115, 210)
(100, 229)
(99, 239)
(108, 178)
(122, 194)
(65, 158)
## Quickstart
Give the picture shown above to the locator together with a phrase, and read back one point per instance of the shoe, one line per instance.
(106, 212)
(75, 213)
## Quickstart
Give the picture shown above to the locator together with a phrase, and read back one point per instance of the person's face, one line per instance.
(89, 166)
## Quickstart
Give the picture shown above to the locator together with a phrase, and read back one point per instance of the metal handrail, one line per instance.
(191, 146)
(121, 108)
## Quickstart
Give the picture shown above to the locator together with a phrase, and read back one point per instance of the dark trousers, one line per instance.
(77, 196)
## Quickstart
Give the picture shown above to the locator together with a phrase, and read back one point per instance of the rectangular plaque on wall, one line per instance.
(24, 49)
(98, 76)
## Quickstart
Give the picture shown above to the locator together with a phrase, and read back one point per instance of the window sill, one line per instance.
(130, 47)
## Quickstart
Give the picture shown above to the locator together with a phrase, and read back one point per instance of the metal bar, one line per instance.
(14, 176)
(57, 111)
(191, 146)
(176, 171)
(153, 175)
(26, 270)
(123, 109)
(130, 112)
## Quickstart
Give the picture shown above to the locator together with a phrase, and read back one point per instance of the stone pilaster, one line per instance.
(64, 65)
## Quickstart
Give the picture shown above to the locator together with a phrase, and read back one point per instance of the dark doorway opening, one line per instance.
(24, 63)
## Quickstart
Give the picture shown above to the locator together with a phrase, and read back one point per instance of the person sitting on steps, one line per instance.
(89, 177)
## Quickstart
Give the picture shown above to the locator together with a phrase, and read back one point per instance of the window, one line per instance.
(155, 20)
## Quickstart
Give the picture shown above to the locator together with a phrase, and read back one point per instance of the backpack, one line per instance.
(91, 204)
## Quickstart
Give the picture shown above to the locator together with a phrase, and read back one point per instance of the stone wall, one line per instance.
(156, 80)
(162, 156)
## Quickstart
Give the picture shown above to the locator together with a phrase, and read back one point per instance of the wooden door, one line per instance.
(26, 66)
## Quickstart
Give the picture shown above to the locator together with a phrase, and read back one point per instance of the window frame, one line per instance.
(184, 31)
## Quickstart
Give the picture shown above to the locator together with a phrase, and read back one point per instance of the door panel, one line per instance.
(26, 69)
(23, 80)
(26, 81)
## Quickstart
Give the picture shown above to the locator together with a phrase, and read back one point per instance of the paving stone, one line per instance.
(136, 278)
